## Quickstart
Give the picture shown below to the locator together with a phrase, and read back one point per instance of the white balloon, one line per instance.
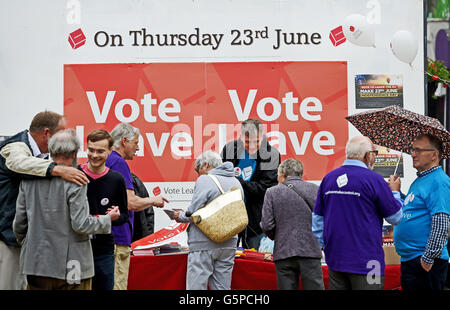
(404, 46)
(358, 31)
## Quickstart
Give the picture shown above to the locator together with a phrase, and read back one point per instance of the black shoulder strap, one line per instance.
(291, 186)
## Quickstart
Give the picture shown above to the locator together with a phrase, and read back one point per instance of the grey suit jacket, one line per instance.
(287, 217)
(53, 224)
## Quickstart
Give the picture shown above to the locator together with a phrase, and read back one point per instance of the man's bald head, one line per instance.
(357, 147)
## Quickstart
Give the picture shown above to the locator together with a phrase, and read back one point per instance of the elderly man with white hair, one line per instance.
(209, 263)
(125, 146)
(348, 218)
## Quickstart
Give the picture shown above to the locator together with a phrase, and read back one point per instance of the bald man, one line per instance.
(348, 218)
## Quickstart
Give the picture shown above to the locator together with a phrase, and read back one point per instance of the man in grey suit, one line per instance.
(52, 223)
(287, 219)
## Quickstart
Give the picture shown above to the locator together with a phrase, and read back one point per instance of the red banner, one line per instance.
(183, 109)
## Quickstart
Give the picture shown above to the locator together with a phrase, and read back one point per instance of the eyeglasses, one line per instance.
(419, 150)
(375, 152)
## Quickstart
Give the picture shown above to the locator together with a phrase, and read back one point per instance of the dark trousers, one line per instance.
(414, 277)
(290, 269)
(254, 241)
(103, 279)
(351, 281)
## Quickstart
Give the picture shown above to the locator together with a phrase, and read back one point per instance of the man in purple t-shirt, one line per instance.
(125, 146)
(348, 218)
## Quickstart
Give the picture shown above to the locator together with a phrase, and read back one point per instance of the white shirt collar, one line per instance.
(34, 147)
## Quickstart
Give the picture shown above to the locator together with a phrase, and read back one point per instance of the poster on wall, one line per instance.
(378, 90)
(388, 162)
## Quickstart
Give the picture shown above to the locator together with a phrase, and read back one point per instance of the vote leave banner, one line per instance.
(184, 109)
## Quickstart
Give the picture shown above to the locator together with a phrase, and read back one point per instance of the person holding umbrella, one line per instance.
(421, 237)
(351, 203)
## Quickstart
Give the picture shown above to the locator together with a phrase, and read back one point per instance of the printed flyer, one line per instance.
(378, 91)
(388, 162)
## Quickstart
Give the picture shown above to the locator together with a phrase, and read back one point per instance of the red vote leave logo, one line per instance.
(77, 38)
(337, 36)
(156, 191)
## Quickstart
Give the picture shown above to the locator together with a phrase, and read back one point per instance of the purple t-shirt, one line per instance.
(123, 233)
(353, 201)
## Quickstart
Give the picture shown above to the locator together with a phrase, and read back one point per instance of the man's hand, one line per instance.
(113, 213)
(70, 174)
(136, 203)
(159, 201)
(425, 266)
(394, 183)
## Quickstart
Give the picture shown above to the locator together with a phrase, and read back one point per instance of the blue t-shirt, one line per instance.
(353, 201)
(246, 167)
(427, 196)
(122, 234)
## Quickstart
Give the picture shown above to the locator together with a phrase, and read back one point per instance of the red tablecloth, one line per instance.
(168, 272)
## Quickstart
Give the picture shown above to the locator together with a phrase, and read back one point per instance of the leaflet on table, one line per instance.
(165, 237)
(166, 249)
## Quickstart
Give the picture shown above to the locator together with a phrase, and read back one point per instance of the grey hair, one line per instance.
(357, 147)
(64, 143)
(290, 167)
(123, 130)
(252, 127)
(209, 157)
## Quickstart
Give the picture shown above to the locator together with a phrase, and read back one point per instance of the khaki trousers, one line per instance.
(10, 277)
(121, 266)
(46, 283)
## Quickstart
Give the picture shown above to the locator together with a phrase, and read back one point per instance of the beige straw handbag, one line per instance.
(223, 217)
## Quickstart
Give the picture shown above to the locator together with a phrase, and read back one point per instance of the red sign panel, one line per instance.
(183, 109)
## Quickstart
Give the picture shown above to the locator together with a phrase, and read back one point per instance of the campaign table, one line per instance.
(168, 272)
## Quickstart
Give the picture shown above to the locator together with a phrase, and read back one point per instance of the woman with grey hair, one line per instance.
(208, 158)
(209, 263)
(287, 219)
